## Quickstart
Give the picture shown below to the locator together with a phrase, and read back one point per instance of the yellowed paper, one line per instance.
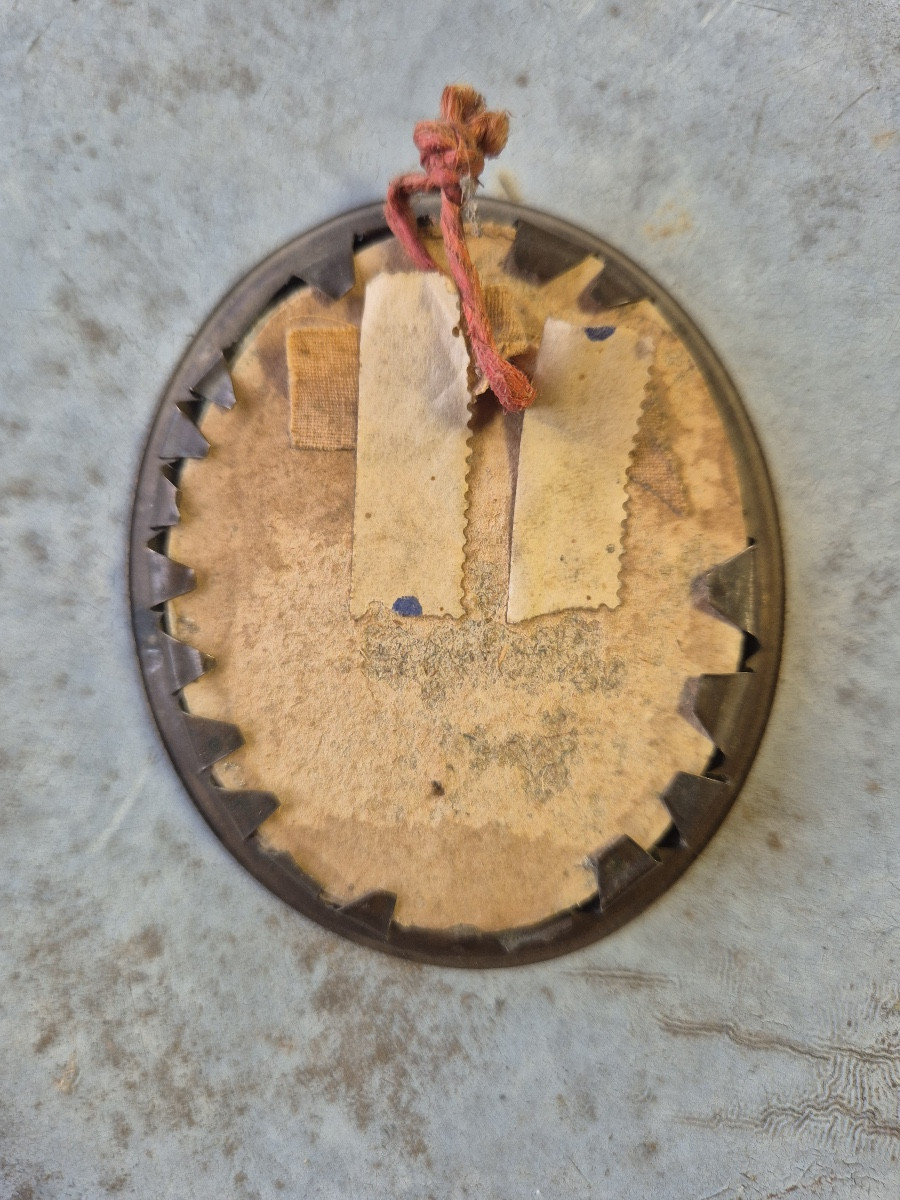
(323, 377)
(536, 733)
(411, 451)
(573, 460)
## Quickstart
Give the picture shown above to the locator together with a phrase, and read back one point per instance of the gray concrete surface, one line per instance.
(167, 1028)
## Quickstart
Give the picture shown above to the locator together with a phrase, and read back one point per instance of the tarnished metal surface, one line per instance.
(168, 1027)
(615, 287)
(619, 868)
(731, 589)
(540, 255)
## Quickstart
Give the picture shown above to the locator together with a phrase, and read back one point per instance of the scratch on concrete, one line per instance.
(621, 977)
(852, 103)
(101, 841)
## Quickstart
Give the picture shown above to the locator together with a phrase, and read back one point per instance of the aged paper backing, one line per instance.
(468, 765)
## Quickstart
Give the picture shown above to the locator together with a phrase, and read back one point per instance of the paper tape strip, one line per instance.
(411, 451)
(573, 459)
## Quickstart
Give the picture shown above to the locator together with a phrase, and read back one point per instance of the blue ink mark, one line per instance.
(407, 606)
(599, 333)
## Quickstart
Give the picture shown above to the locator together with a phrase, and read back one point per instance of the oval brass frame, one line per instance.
(748, 590)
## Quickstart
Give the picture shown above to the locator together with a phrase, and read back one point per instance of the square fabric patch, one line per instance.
(505, 321)
(323, 372)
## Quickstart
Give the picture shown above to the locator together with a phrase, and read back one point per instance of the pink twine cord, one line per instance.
(451, 150)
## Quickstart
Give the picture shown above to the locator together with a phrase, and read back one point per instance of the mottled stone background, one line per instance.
(167, 1028)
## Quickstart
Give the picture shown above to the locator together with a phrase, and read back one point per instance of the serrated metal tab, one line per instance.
(618, 867)
(613, 287)
(166, 578)
(185, 662)
(374, 910)
(212, 740)
(247, 809)
(183, 439)
(696, 805)
(717, 703)
(165, 505)
(542, 256)
(216, 385)
(334, 275)
(731, 589)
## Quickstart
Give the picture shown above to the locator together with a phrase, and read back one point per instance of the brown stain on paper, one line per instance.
(468, 765)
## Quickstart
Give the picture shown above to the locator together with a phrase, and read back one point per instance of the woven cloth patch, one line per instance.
(323, 369)
(504, 320)
(655, 465)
